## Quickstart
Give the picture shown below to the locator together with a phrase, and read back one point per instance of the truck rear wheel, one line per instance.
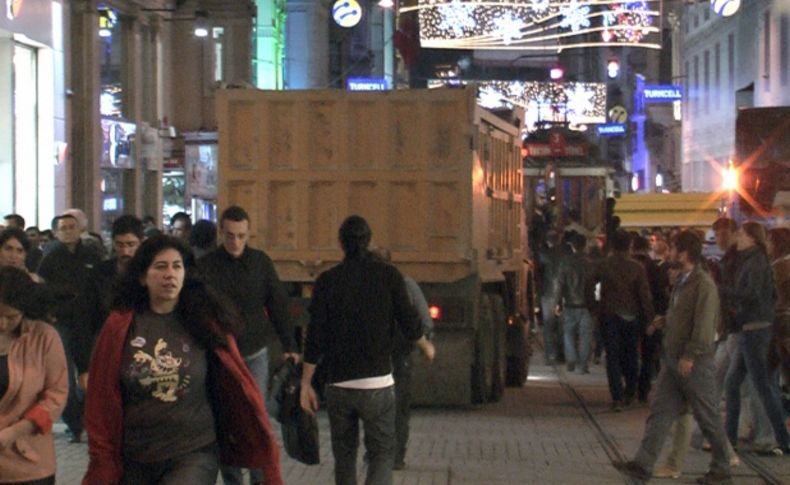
(482, 369)
(498, 365)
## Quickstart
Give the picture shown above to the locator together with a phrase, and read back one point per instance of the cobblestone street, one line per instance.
(538, 434)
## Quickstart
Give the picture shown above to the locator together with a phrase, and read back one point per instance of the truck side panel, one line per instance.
(302, 162)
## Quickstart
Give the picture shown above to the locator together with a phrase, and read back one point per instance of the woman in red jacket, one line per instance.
(33, 382)
(169, 396)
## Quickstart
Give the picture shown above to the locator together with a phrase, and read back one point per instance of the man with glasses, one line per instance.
(68, 270)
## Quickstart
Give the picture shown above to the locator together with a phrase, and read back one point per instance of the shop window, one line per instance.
(112, 65)
(217, 34)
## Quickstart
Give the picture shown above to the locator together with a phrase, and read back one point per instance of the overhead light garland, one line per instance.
(572, 102)
(546, 25)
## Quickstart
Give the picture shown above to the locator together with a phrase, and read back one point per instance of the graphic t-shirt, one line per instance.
(163, 382)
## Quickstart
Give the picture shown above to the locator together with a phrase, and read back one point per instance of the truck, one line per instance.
(439, 181)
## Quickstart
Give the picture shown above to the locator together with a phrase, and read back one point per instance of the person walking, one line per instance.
(68, 271)
(549, 257)
(779, 250)
(14, 248)
(33, 382)
(170, 396)
(651, 337)
(753, 296)
(687, 376)
(576, 297)
(353, 313)
(247, 277)
(402, 362)
(625, 303)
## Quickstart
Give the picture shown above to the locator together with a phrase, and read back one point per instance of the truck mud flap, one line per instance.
(446, 381)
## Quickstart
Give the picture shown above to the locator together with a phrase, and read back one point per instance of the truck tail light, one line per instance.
(435, 311)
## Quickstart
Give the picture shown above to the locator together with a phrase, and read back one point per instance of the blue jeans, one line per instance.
(621, 339)
(258, 364)
(578, 321)
(376, 409)
(751, 357)
(550, 328)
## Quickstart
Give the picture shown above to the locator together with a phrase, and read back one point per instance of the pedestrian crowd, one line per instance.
(159, 351)
(703, 339)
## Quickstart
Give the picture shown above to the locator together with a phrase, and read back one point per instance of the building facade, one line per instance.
(33, 149)
(728, 63)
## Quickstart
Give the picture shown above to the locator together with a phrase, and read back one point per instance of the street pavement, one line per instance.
(556, 430)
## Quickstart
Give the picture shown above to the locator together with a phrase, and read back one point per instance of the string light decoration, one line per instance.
(572, 102)
(538, 25)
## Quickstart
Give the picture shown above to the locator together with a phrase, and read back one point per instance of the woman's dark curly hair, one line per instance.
(198, 307)
(18, 291)
(15, 233)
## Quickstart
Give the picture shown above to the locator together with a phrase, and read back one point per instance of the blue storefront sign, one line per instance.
(663, 93)
(367, 84)
(611, 129)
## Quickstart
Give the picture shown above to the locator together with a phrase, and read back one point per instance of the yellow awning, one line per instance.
(698, 209)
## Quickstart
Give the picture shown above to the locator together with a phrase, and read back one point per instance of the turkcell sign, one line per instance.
(366, 84)
(611, 129)
(663, 93)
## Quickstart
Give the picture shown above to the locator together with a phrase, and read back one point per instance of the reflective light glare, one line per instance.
(556, 73)
(201, 32)
(635, 182)
(730, 178)
(659, 180)
(105, 33)
(386, 4)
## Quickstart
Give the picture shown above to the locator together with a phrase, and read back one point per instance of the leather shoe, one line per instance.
(617, 406)
(666, 472)
(632, 469)
(715, 478)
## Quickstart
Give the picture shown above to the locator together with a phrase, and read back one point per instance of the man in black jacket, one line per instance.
(576, 298)
(247, 277)
(355, 308)
(68, 271)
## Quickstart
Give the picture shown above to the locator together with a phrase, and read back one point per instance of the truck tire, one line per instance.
(499, 329)
(484, 352)
(518, 352)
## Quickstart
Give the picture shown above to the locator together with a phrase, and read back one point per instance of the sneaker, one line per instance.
(715, 478)
(632, 469)
(570, 367)
(735, 461)
(666, 472)
(779, 451)
(617, 406)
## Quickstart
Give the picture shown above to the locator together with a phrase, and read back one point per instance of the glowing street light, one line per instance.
(730, 178)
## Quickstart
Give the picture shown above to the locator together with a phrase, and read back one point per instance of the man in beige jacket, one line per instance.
(687, 377)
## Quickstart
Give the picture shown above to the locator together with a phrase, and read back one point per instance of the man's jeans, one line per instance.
(578, 321)
(401, 371)
(258, 364)
(72, 414)
(550, 328)
(376, 409)
(751, 357)
(621, 339)
(674, 393)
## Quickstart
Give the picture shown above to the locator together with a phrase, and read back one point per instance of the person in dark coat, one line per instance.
(68, 271)
(354, 311)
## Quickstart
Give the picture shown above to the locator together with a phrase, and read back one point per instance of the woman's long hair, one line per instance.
(756, 232)
(198, 307)
(18, 290)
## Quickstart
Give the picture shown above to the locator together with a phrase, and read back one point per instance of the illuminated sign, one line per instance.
(13, 8)
(367, 84)
(538, 25)
(663, 93)
(611, 129)
(347, 13)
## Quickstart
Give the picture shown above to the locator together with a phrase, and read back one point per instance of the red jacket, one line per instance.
(244, 433)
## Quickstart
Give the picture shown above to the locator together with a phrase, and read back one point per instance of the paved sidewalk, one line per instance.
(538, 434)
